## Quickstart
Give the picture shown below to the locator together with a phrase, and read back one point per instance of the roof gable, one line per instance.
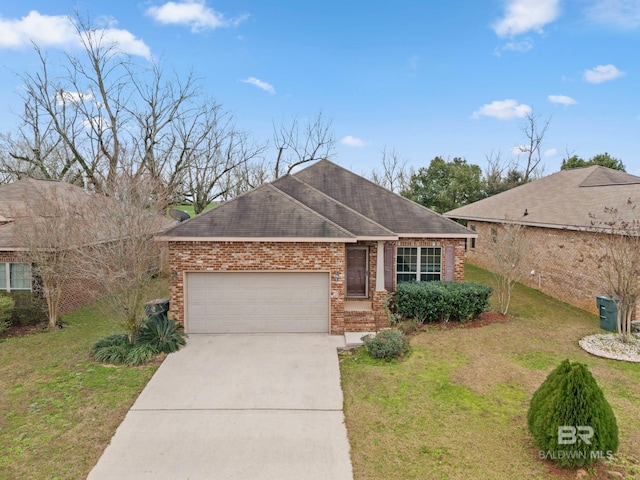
(331, 209)
(322, 202)
(392, 211)
(602, 176)
(265, 212)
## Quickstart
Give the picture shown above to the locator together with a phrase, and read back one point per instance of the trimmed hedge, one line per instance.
(428, 302)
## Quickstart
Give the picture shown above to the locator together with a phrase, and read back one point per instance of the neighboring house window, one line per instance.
(15, 276)
(421, 264)
(494, 235)
(473, 240)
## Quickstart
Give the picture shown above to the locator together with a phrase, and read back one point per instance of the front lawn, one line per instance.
(456, 407)
(59, 408)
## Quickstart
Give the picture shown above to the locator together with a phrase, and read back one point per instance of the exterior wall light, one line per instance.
(336, 276)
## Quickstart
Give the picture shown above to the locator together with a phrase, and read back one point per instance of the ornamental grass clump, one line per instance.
(158, 335)
(387, 344)
(571, 422)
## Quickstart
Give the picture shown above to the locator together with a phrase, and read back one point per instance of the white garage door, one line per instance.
(257, 302)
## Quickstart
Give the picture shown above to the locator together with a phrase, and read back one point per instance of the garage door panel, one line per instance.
(257, 302)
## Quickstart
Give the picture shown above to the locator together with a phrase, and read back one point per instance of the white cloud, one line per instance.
(503, 110)
(562, 99)
(192, 13)
(260, 84)
(623, 14)
(351, 141)
(127, 42)
(60, 31)
(45, 30)
(523, 46)
(522, 16)
(525, 149)
(73, 97)
(98, 123)
(602, 73)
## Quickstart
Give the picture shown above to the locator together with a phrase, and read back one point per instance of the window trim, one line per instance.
(7, 277)
(418, 273)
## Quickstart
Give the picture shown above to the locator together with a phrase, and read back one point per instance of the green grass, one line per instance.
(456, 407)
(189, 208)
(59, 408)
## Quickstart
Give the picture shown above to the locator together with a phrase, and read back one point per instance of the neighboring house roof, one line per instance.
(322, 202)
(567, 200)
(18, 198)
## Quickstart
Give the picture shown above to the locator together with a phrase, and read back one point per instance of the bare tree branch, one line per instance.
(297, 145)
(534, 133)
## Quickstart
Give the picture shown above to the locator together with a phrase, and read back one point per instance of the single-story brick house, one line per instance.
(19, 199)
(557, 211)
(316, 251)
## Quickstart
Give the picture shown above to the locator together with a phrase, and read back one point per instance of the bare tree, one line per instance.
(297, 144)
(509, 249)
(619, 268)
(394, 175)
(36, 150)
(501, 175)
(213, 149)
(534, 131)
(51, 231)
(121, 257)
(106, 115)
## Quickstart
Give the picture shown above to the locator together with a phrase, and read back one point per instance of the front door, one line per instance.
(357, 260)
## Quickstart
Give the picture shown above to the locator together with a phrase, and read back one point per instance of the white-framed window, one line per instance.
(418, 264)
(15, 276)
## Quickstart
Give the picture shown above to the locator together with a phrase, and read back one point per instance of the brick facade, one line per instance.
(559, 263)
(201, 256)
(75, 292)
(256, 256)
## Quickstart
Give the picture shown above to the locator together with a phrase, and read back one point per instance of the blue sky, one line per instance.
(426, 78)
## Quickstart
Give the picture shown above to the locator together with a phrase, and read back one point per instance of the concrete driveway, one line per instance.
(237, 407)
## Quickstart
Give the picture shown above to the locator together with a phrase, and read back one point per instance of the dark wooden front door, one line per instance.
(357, 271)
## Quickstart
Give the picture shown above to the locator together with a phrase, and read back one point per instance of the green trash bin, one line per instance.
(608, 313)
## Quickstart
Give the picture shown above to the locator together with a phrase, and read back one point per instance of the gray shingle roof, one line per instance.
(398, 214)
(331, 209)
(566, 199)
(323, 201)
(265, 212)
(18, 198)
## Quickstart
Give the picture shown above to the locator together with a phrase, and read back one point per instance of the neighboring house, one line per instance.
(558, 210)
(17, 200)
(316, 251)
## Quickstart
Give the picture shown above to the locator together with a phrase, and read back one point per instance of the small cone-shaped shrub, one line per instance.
(570, 420)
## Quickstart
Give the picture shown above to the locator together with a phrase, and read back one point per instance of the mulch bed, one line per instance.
(24, 330)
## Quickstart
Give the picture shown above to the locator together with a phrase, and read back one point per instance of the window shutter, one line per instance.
(449, 263)
(389, 266)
